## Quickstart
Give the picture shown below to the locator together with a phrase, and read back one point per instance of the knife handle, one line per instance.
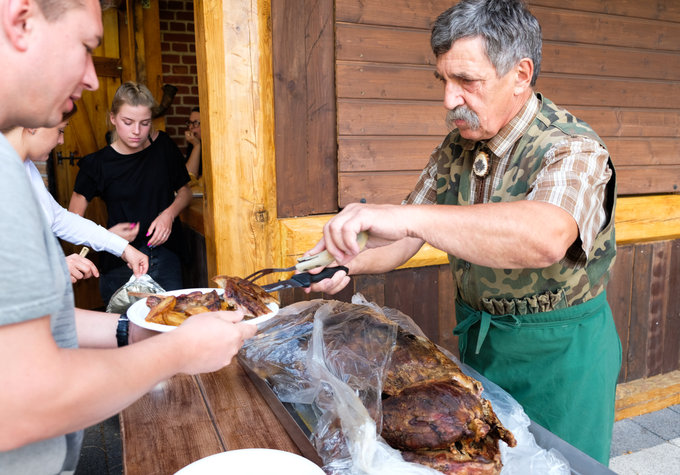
(324, 258)
(321, 259)
(327, 273)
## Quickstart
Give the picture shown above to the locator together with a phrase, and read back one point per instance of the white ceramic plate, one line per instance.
(138, 311)
(252, 462)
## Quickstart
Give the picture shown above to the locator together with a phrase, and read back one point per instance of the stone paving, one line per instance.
(648, 444)
(102, 451)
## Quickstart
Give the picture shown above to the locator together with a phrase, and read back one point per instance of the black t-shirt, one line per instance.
(135, 188)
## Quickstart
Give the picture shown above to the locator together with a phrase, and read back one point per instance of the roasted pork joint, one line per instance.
(435, 414)
(420, 399)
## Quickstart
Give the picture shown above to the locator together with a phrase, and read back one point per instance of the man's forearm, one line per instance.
(384, 259)
(522, 234)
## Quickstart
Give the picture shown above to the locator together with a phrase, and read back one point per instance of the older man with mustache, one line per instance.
(521, 196)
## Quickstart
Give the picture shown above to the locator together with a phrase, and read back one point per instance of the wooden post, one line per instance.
(233, 52)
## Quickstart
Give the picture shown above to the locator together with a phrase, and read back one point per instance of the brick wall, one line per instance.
(179, 63)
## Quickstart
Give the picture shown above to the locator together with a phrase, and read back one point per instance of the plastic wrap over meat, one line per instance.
(351, 362)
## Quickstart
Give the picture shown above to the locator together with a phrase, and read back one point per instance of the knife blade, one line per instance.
(304, 279)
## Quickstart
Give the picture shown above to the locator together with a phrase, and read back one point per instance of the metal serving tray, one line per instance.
(293, 417)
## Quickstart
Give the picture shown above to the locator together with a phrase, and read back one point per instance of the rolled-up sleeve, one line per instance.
(575, 177)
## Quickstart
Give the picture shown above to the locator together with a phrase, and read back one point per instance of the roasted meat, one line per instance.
(173, 310)
(453, 462)
(243, 293)
(416, 359)
(423, 404)
(210, 300)
(435, 414)
(432, 416)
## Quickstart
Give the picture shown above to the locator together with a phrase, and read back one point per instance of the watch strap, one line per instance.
(123, 330)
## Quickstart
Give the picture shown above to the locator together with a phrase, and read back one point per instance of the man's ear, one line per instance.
(524, 72)
(17, 21)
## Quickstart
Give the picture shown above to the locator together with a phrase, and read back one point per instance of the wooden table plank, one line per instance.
(242, 416)
(167, 429)
(187, 418)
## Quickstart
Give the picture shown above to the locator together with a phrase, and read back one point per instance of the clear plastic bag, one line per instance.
(322, 354)
(121, 301)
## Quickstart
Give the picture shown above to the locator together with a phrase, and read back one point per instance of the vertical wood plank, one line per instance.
(415, 293)
(372, 287)
(657, 307)
(640, 297)
(303, 63)
(671, 354)
(153, 66)
(321, 183)
(290, 100)
(619, 292)
(233, 52)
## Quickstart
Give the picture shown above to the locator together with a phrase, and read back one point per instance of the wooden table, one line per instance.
(190, 417)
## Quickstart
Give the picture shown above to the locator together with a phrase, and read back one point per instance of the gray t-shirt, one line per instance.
(34, 282)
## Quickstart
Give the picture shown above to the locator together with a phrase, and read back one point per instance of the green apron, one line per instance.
(561, 366)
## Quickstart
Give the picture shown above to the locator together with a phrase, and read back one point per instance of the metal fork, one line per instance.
(304, 264)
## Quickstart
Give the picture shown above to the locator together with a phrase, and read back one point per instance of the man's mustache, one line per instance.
(462, 113)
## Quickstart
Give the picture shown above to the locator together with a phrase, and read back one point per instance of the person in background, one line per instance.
(142, 179)
(193, 137)
(62, 371)
(521, 196)
(36, 145)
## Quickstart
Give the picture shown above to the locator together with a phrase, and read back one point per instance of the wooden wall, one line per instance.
(614, 64)
(644, 296)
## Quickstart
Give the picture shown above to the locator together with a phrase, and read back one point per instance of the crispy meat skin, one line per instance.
(211, 300)
(243, 293)
(435, 414)
(416, 359)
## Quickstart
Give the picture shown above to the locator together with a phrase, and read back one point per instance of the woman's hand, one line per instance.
(160, 229)
(136, 260)
(127, 231)
(80, 268)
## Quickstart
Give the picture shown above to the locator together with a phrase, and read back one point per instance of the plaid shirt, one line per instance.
(574, 177)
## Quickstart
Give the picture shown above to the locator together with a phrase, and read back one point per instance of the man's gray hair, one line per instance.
(508, 29)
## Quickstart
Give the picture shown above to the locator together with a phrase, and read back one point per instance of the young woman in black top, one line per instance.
(142, 179)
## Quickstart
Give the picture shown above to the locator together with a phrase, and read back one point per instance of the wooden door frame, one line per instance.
(234, 59)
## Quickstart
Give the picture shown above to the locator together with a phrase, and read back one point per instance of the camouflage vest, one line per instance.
(524, 291)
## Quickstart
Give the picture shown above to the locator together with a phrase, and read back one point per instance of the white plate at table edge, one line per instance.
(138, 311)
(253, 460)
